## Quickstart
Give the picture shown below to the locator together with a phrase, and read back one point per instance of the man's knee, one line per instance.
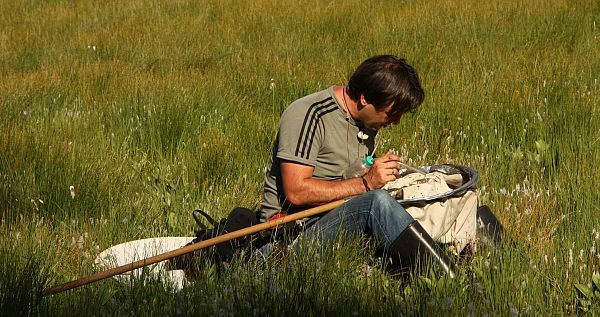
(381, 197)
(385, 205)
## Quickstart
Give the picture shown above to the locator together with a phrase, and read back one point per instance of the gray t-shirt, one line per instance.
(314, 131)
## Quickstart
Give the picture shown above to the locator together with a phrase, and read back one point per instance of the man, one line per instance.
(322, 135)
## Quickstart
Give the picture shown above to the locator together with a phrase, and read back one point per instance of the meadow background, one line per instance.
(118, 118)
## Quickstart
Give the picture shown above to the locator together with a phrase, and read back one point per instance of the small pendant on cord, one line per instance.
(362, 136)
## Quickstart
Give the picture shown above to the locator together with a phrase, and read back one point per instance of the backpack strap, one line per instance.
(210, 220)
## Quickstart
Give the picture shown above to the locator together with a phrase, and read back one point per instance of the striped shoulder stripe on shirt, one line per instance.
(309, 126)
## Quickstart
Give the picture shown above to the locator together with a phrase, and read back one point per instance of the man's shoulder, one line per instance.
(318, 100)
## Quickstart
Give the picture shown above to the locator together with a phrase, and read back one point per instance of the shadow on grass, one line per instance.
(21, 284)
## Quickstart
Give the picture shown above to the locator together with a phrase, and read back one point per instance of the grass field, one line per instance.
(117, 119)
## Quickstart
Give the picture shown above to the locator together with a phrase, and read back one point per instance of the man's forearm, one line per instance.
(316, 192)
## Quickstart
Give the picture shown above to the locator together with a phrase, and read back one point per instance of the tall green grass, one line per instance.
(118, 119)
(22, 281)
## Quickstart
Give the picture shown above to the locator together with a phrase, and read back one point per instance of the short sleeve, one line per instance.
(301, 131)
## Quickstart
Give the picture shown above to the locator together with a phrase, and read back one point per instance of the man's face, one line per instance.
(374, 119)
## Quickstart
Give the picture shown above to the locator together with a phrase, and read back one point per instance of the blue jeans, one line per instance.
(375, 213)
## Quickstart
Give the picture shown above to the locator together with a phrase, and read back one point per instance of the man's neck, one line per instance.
(348, 104)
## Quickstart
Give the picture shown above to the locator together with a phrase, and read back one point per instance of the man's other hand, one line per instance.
(384, 170)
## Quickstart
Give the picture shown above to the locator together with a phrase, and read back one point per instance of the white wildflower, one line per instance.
(80, 242)
(514, 311)
(570, 257)
(366, 269)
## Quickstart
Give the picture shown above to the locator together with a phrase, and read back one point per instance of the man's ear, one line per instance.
(362, 102)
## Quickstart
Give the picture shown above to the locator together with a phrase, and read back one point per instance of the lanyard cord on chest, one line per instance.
(361, 136)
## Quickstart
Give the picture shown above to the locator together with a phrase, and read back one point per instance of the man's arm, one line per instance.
(301, 188)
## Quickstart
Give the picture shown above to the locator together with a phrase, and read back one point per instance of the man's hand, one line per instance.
(384, 170)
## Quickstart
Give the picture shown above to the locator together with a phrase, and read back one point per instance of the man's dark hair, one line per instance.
(384, 79)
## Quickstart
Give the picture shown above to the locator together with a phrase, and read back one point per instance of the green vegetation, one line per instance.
(117, 119)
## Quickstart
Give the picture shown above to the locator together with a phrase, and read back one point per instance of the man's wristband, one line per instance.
(367, 188)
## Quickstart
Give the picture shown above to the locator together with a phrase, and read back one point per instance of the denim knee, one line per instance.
(381, 196)
(384, 206)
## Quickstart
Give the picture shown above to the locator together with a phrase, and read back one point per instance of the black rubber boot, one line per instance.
(413, 249)
(489, 228)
